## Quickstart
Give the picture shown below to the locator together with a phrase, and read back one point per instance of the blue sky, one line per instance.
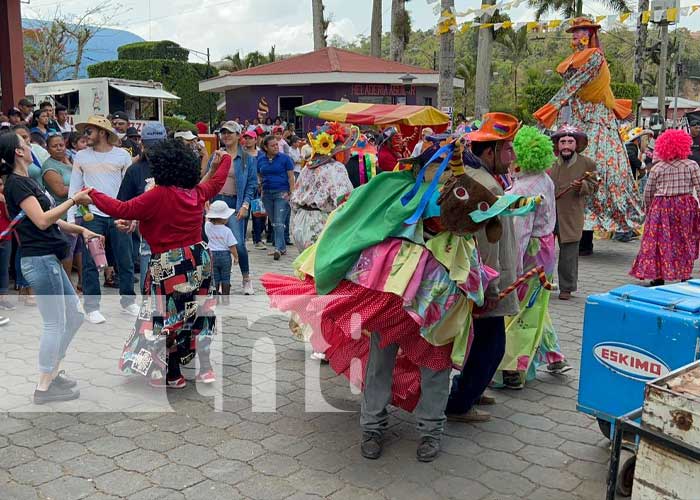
(246, 25)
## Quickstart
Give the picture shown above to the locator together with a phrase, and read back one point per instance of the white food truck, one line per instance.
(142, 101)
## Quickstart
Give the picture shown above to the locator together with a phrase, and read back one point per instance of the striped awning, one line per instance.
(358, 113)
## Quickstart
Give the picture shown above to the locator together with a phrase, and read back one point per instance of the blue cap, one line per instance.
(152, 133)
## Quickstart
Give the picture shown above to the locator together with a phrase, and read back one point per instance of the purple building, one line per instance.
(275, 89)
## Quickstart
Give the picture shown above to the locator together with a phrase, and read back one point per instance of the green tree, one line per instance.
(571, 8)
(516, 51)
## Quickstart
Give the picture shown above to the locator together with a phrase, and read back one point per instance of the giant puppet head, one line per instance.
(584, 34)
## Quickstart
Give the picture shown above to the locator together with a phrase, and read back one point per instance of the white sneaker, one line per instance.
(95, 317)
(131, 310)
(248, 287)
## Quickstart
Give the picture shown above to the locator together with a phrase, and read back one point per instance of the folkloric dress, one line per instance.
(594, 110)
(317, 193)
(530, 335)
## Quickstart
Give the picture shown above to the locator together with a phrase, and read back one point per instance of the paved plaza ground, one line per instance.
(251, 436)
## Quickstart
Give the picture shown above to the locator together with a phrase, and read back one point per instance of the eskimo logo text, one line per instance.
(630, 361)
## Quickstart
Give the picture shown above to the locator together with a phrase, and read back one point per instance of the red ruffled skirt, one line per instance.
(338, 319)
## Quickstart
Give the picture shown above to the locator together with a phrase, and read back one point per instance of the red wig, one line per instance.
(672, 145)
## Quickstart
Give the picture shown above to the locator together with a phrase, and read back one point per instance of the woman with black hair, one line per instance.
(40, 123)
(43, 247)
(177, 318)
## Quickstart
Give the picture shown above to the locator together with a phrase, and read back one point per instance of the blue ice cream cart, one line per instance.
(632, 335)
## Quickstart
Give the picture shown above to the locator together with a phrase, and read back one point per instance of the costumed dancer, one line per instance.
(363, 162)
(530, 336)
(492, 149)
(177, 315)
(392, 148)
(575, 179)
(586, 101)
(389, 287)
(670, 241)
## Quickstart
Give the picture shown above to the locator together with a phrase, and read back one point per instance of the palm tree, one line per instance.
(446, 88)
(571, 8)
(375, 38)
(466, 68)
(517, 50)
(319, 24)
(232, 62)
(400, 29)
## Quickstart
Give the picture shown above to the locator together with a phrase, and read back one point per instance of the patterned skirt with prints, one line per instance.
(177, 315)
(670, 241)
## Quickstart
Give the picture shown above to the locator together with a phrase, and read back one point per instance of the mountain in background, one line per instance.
(102, 47)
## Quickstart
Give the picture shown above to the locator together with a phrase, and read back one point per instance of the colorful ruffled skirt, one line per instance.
(399, 289)
(669, 246)
(177, 314)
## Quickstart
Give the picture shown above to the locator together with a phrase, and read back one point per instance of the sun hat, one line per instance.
(331, 139)
(570, 130)
(100, 122)
(153, 133)
(186, 135)
(580, 23)
(219, 210)
(231, 126)
(635, 133)
(495, 127)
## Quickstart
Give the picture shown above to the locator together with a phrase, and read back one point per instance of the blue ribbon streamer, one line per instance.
(405, 199)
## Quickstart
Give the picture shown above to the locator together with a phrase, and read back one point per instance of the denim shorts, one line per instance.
(221, 266)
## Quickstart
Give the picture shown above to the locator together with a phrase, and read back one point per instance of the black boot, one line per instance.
(428, 449)
(371, 445)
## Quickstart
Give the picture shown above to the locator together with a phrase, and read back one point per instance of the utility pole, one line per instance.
(661, 106)
(640, 44)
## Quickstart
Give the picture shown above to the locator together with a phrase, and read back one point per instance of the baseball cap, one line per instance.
(120, 115)
(26, 102)
(5, 125)
(153, 133)
(694, 122)
(250, 133)
(277, 128)
(231, 126)
(186, 135)
(132, 132)
(14, 111)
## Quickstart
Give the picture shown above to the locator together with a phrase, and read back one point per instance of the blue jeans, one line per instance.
(5, 251)
(277, 209)
(122, 250)
(485, 354)
(59, 307)
(19, 278)
(221, 267)
(238, 228)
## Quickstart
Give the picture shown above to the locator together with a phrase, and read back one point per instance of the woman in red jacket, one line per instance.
(177, 317)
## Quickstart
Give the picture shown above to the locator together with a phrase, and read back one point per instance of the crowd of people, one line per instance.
(437, 251)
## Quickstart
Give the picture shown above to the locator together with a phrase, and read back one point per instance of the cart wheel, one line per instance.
(605, 427)
(625, 478)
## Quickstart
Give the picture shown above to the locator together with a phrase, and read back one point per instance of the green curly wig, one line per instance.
(534, 151)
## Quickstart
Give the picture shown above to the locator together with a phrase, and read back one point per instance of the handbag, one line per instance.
(257, 208)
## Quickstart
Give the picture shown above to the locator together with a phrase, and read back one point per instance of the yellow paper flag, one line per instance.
(624, 16)
(465, 27)
(553, 24)
(645, 16)
(693, 8)
(532, 25)
(599, 18)
(507, 24)
(672, 14)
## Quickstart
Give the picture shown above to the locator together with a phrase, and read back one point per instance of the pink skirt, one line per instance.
(670, 242)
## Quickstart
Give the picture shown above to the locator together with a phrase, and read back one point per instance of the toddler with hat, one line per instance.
(222, 245)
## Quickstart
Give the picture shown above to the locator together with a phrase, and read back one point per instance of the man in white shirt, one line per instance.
(102, 166)
(418, 148)
(62, 120)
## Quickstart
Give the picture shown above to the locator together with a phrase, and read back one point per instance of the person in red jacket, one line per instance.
(177, 319)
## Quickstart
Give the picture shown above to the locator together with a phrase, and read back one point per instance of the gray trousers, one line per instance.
(568, 266)
(430, 411)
